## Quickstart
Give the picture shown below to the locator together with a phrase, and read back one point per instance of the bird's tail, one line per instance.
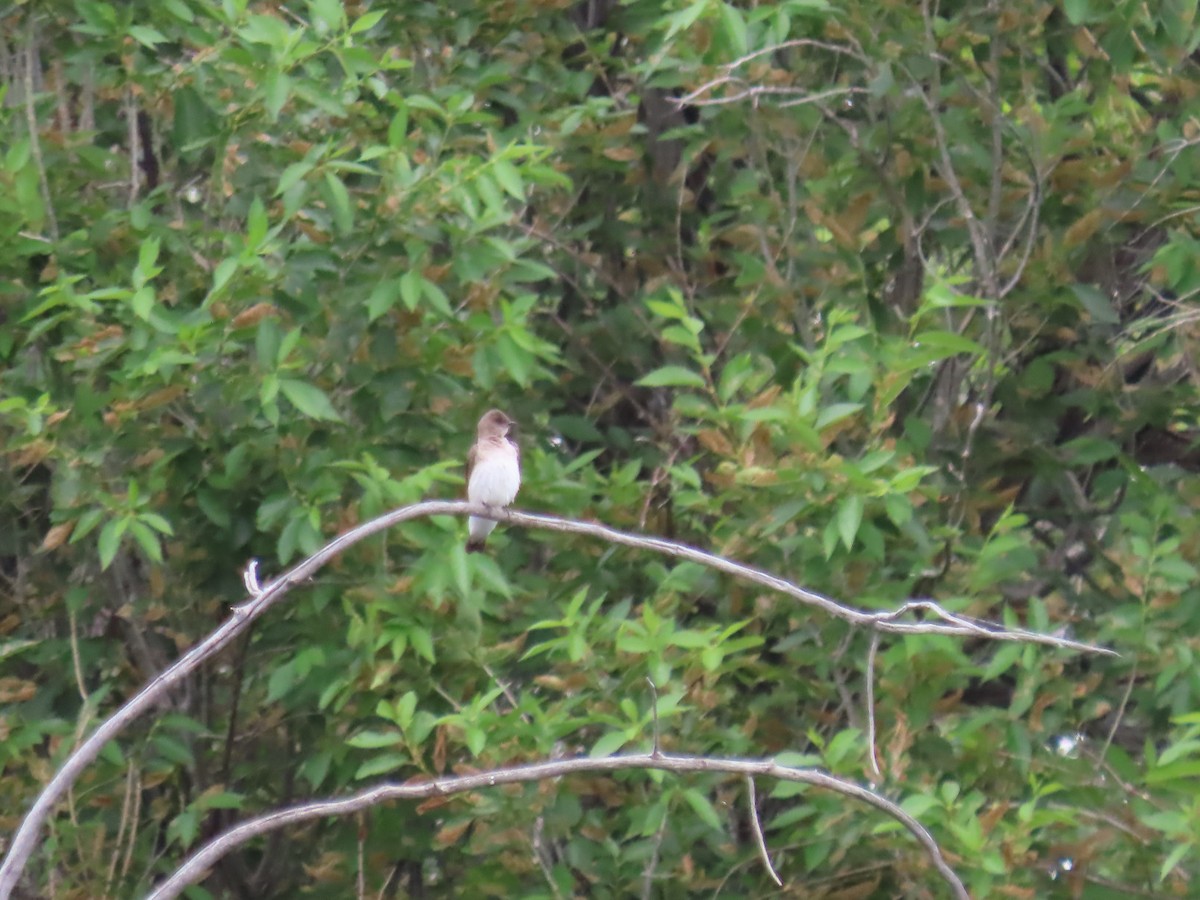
(477, 532)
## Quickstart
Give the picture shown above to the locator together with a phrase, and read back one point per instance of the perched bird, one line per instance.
(493, 472)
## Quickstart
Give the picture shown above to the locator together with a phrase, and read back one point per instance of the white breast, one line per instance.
(495, 480)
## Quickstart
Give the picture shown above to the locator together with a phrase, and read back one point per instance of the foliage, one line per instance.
(894, 300)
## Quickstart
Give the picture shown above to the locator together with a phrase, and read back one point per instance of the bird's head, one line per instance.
(495, 424)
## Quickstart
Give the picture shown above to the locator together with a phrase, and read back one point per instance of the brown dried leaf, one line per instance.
(16, 690)
(715, 442)
(254, 315)
(621, 154)
(57, 536)
(451, 834)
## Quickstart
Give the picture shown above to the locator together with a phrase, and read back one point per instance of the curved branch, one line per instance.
(208, 855)
(951, 624)
(243, 616)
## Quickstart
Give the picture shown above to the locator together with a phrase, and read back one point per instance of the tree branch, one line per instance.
(243, 616)
(208, 855)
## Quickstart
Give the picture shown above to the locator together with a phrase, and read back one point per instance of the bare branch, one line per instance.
(202, 860)
(1120, 714)
(361, 881)
(984, 254)
(799, 95)
(250, 579)
(756, 828)
(654, 708)
(652, 862)
(25, 839)
(135, 146)
(872, 749)
(1031, 211)
(32, 73)
(887, 621)
(728, 68)
(792, 44)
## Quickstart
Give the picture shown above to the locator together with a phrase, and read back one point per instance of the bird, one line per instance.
(493, 472)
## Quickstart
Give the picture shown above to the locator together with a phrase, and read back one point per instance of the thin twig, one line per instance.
(540, 854)
(984, 259)
(134, 821)
(387, 882)
(361, 879)
(756, 830)
(76, 664)
(872, 748)
(126, 802)
(996, 113)
(35, 143)
(1120, 714)
(750, 57)
(767, 90)
(652, 863)
(135, 146)
(212, 852)
(654, 710)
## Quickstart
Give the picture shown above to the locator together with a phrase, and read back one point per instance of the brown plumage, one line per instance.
(493, 472)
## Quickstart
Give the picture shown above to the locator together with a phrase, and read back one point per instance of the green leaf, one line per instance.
(949, 343)
(1078, 11)
(328, 15)
(385, 762)
(309, 399)
(280, 682)
(147, 256)
(277, 87)
(1173, 859)
(703, 809)
(1088, 450)
(671, 376)
(142, 302)
(508, 178)
(515, 360)
(1098, 306)
(686, 17)
(110, 540)
(339, 203)
(157, 522)
(406, 708)
(146, 35)
(835, 412)
(222, 274)
(184, 828)
(256, 224)
(86, 523)
(146, 539)
(374, 740)
(383, 297)
(367, 21)
(195, 123)
(733, 26)
(436, 297)
(410, 289)
(849, 517)
(398, 128)
(608, 744)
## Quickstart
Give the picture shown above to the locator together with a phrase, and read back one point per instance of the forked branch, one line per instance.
(208, 855)
(899, 621)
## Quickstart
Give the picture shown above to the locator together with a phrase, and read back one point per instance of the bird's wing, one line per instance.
(471, 461)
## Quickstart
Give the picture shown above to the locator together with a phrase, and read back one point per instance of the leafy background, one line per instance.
(895, 300)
